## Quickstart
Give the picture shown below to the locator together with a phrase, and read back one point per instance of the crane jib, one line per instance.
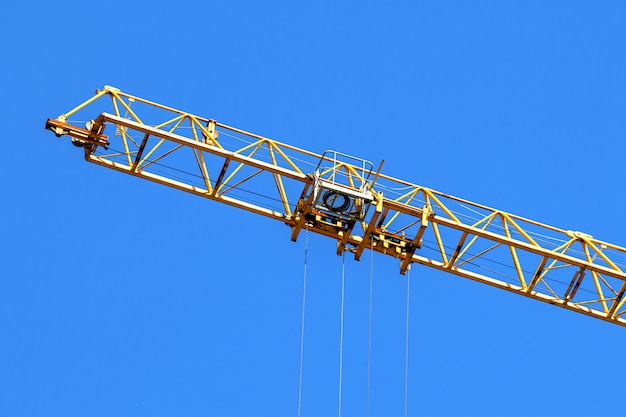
(340, 196)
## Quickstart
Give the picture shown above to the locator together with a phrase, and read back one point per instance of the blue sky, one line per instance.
(121, 297)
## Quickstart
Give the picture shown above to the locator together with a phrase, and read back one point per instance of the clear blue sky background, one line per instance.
(123, 298)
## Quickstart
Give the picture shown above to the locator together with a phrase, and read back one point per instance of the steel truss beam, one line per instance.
(411, 223)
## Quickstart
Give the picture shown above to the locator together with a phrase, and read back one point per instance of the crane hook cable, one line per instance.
(343, 263)
(406, 347)
(369, 334)
(306, 247)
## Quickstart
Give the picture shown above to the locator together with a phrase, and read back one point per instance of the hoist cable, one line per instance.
(306, 247)
(406, 347)
(343, 258)
(369, 334)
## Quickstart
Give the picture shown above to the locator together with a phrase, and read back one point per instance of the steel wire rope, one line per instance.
(223, 133)
(548, 241)
(241, 139)
(406, 346)
(306, 249)
(515, 232)
(539, 237)
(369, 333)
(201, 183)
(250, 142)
(279, 209)
(510, 277)
(343, 258)
(241, 189)
(394, 190)
(560, 240)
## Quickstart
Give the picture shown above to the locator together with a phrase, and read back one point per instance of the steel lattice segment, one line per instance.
(339, 199)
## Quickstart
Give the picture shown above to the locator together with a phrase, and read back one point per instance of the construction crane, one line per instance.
(349, 200)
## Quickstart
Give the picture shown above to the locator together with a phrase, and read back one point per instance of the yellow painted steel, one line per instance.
(412, 223)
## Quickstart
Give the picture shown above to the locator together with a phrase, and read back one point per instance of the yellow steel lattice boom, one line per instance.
(343, 198)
